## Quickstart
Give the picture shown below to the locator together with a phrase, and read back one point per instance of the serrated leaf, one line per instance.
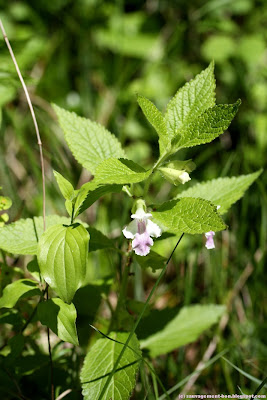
(91, 192)
(222, 192)
(62, 257)
(65, 186)
(98, 241)
(152, 260)
(15, 290)
(206, 127)
(21, 237)
(121, 172)
(188, 215)
(89, 141)
(186, 327)
(100, 361)
(60, 318)
(190, 101)
(156, 119)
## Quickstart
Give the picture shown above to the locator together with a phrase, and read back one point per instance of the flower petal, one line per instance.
(130, 230)
(141, 214)
(142, 243)
(210, 242)
(153, 229)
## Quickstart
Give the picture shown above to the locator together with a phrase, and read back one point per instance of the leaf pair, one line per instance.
(191, 117)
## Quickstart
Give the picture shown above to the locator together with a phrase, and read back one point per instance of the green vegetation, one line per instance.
(84, 62)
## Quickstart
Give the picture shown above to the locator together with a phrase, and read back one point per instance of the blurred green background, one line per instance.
(92, 57)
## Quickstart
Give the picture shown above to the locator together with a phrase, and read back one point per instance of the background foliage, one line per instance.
(91, 57)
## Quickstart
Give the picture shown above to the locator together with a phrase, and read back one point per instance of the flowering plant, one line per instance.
(61, 246)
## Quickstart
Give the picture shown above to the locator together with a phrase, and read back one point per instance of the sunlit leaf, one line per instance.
(100, 361)
(186, 327)
(62, 257)
(60, 318)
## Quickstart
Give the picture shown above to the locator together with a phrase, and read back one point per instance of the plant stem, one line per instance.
(32, 113)
(122, 293)
(137, 322)
(4, 271)
(50, 357)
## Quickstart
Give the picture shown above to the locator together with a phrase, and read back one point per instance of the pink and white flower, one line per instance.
(209, 240)
(141, 229)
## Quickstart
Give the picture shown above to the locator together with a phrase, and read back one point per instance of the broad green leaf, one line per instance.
(89, 141)
(65, 186)
(186, 327)
(152, 260)
(91, 192)
(62, 256)
(60, 318)
(21, 237)
(98, 241)
(15, 290)
(121, 172)
(206, 127)
(188, 215)
(222, 192)
(156, 119)
(190, 101)
(100, 361)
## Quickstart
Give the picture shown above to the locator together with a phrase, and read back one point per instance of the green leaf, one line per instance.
(15, 290)
(91, 192)
(206, 127)
(100, 361)
(121, 172)
(155, 117)
(190, 101)
(222, 192)
(152, 260)
(21, 237)
(89, 141)
(186, 327)
(65, 186)
(34, 269)
(188, 215)
(62, 256)
(98, 241)
(60, 318)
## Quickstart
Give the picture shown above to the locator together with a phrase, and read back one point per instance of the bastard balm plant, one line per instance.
(60, 261)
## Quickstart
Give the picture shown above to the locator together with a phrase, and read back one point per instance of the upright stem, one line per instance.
(32, 113)
(50, 357)
(122, 293)
(111, 374)
(42, 167)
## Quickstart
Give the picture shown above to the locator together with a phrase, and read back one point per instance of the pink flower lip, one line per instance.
(209, 240)
(142, 243)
